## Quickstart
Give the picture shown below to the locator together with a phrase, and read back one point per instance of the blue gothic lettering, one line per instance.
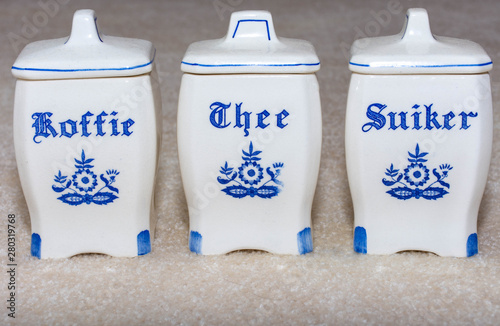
(246, 116)
(69, 128)
(392, 116)
(126, 125)
(377, 117)
(261, 116)
(99, 122)
(43, 125)
(430, 119)
(416, 118)
(281, 116)
(114, 124)
(464, 119)
(447, 119)
(84, 123)
(220, 113)
(64, 132)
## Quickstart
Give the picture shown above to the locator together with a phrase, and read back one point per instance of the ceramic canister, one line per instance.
(418, 140)
(249, 136)
(87, 133)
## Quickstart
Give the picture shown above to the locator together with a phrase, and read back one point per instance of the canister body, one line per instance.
(249, 151)
(418, 149)
(87, 153)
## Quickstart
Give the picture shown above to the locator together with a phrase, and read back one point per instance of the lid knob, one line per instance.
(415, 50)
(84, 29)
(417, 27)
(251, 26)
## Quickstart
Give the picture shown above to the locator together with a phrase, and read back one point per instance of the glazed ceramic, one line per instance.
(87, 133)
(249, 136)
(418, 140)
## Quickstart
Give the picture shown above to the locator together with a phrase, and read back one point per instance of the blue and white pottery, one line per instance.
(87, 133)
(249, 136)
(418, 140)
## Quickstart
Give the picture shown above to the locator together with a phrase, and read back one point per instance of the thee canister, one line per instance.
(87, 134)
(249, 138)
(418, 140)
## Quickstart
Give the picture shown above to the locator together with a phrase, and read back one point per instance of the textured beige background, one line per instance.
(332, 285)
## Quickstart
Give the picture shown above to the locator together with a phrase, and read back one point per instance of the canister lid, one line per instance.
(250, 46)
(415, 50)
(85, 54)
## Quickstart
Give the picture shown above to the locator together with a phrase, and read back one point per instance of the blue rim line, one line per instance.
(406, 27)
(253, 20)
(423, 66)
(252, 65)
(89, 69)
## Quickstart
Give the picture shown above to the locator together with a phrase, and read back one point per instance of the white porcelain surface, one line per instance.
(87, 152)
(86, 53)
(418, 150)
(250, 46)
(415, 50)
(249, 150)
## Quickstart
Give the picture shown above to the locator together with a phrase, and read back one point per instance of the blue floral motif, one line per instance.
(416, 175)
(84, 181)
(251, 173)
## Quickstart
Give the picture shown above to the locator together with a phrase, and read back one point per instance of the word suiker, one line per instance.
(430, 119)
(69, 128)
(218, 117)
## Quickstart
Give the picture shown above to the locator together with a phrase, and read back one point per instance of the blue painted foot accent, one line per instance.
(195, 240)
(143, 243)
(36, 245)
(472, 245)
(304, 241)
(360, 240)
